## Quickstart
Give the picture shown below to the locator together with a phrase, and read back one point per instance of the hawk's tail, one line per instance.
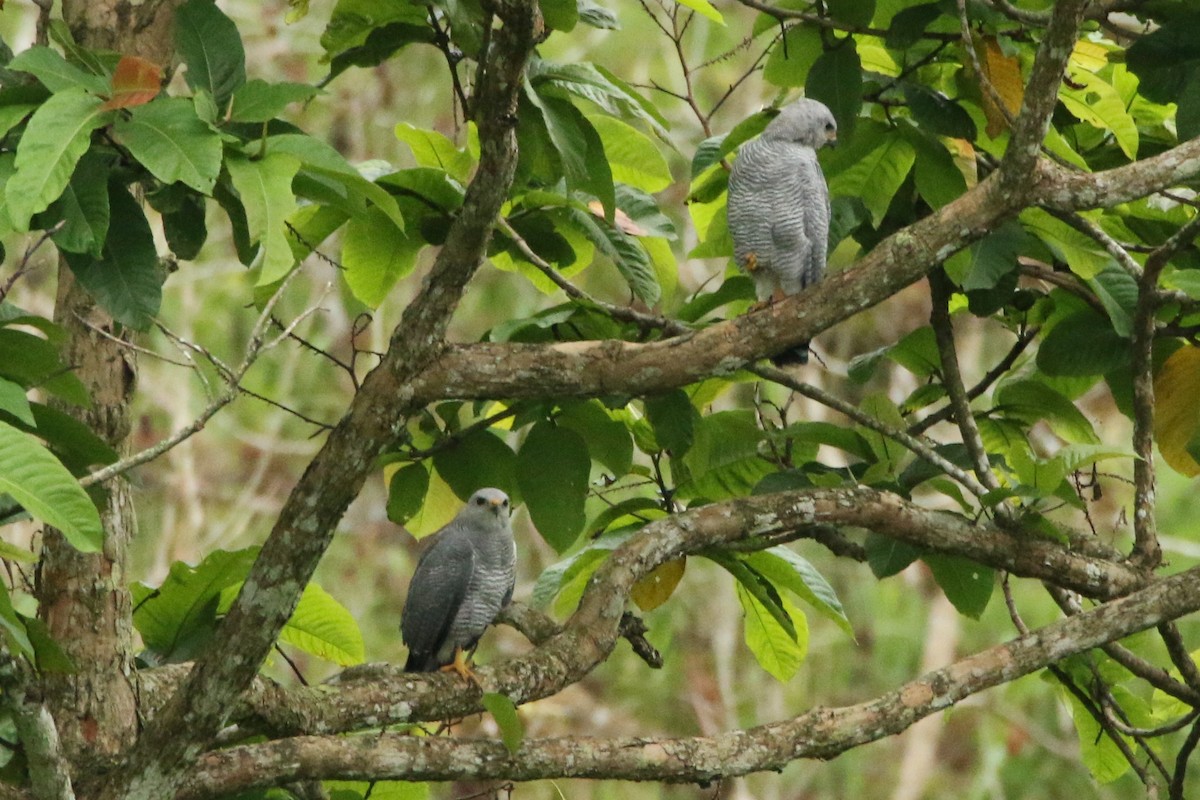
(797, 356)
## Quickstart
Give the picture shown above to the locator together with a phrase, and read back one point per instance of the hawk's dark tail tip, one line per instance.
(796, 357)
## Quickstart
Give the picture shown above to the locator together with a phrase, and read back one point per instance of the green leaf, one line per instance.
(432, 149)
(478, 460)
(624, 251)
(836, 80)
(828, 433)
(856, 13)
(723, 460)
(126, 280)
(908, 24)
(504, 712)
(673, 420)
(13, 401)
(1031, 401)
(967, 585)
(259, 101)
(552, 473)
(12, 626)
(48, 654)
(887, 556)
(185, 228)
(633, 157)
(873, 167)
(985, 263)
(83, 207)
(265, 187)
(172, 142)
(1083, 343)
(1167, 59)
(1083, 255)
(322, 626)
(560, 15)
(43, 486)
(937, 113)
(56, 137)
(1096, 102)
(177, 620)
(789, 570)
(704, 8)
(1118, 292)
(609, 441)
(406, 492)
(10, 552)
(792, 58)
(376, 254)
(1100, 754)
(34, 362)
(55, 72)
(777, 651)
(211, 47)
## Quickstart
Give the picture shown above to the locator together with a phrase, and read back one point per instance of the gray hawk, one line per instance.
(460, 584)
(779, 205)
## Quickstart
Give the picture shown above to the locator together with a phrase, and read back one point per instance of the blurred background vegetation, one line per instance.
(223, 489)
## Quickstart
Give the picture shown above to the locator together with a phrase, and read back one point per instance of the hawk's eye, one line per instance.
(479, 501)
(828, 127)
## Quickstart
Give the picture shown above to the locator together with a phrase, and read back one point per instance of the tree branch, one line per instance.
(820, 733)
(306, 524)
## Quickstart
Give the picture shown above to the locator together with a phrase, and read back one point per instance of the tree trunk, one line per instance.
(84, 598)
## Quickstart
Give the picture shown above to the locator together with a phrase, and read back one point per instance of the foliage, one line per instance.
(100, 151)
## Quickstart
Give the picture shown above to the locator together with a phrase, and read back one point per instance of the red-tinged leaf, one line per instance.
(135, 82)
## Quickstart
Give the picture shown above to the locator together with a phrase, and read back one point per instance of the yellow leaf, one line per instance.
(1177, 409)
(1090, 56)
(1004, 74)
(653, 590)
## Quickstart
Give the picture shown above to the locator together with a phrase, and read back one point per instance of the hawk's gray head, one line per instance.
(807, 122)
(487, 508)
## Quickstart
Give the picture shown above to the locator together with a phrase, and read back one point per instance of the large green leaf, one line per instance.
(723, 461)
(172, 142)
(1031, 401)
(1096, 102)
(43, 486)
(265, 188)
(432, 149)
(609, 441)
(777, 650)
(13, 401)
(259, 101)
(177, 620)
(552, 472)
(83, 207)
(320, 625)
(1083, 343)
(792, 58)
(56, 137)
(634, 158)
(1083, 255)
(406, 492)
(34, 362)
(126, 279)
(673, 420)
(12, 625)
(836, 80)
(504, 712)
(55, 72)
(211, 47)
(629, 257)
(787, 569)
(376, 254)
(478, 460)
(873, 168)
(967, 584)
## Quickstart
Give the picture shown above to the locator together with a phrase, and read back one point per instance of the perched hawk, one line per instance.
(779, 205)
(460, 584)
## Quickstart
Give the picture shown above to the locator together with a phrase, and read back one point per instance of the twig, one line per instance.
(23, 267)
(1181, 762)
(920, 448)
(939, 318)
(232, 389)
(1111, 245)
(994, 374)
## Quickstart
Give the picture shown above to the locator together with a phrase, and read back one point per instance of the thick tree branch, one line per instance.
(819, 733)
(306, 524)
(376, 695)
